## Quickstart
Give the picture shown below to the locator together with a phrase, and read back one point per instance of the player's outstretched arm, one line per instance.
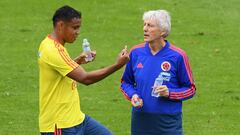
(80, 75)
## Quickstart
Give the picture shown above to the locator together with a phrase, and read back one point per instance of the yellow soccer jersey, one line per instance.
(58, 96)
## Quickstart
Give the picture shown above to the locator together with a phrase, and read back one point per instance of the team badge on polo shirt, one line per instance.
(166, 66)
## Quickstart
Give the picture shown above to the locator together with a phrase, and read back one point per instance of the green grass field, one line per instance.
(208, 30)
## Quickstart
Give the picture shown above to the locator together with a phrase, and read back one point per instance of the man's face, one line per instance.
(151, 31)
(71, 30)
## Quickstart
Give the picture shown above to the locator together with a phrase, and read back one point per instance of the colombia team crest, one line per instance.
(166, 66)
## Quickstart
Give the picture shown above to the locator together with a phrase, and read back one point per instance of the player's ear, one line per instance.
(60, 25)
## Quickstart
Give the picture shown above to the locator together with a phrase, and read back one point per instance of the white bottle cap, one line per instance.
(85, 40)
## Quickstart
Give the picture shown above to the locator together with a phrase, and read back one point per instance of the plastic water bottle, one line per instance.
(158, 82)
(87, 50)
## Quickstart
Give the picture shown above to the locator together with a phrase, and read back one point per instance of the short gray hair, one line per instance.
(162, 17)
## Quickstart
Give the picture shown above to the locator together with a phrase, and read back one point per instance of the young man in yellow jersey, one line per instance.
(60, 112)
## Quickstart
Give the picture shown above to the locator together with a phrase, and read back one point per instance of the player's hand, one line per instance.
(123, 57)
(81, 58)
(162, 90)
(136, 101)
(93, 53)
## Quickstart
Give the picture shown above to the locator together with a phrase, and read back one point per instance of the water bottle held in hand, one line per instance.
(163, 76)
(87, 50)
(158, 82)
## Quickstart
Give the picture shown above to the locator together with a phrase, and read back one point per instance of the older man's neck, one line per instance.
(156, 46)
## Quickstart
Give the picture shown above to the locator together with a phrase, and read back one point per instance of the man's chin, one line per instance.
(146, 40)
(71, 41)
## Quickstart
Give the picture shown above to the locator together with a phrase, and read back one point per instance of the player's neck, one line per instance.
(57, 38)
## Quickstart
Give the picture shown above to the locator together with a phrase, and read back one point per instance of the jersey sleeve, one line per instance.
(59, 59)
(187, 87)
(128, 81)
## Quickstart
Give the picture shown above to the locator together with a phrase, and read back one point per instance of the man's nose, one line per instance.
(145, 28)
(78, 32)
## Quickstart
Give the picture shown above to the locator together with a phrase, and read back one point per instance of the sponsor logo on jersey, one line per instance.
(39, 54)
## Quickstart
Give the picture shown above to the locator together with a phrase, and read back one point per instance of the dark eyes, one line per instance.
(149, 25)
(76, 27)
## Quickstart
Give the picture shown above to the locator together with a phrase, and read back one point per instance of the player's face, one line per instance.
(71, 30)
(151, 31)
